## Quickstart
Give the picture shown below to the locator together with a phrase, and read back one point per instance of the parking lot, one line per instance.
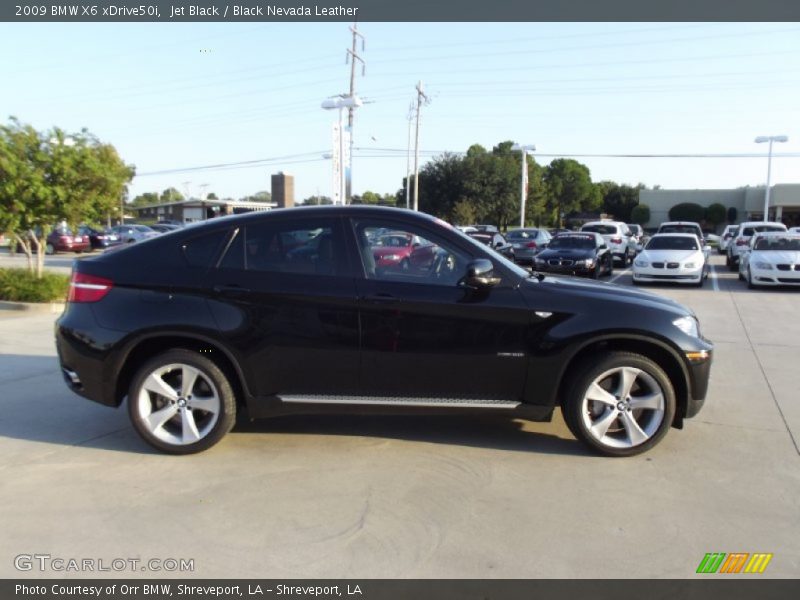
(384, 497)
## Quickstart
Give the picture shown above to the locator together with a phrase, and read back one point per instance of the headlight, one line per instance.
(391, 257)
(688, 266)
(641, 263)
(540, 261)
(764, 266)
(687, 325)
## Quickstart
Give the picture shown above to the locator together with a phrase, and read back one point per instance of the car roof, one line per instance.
(676, 235)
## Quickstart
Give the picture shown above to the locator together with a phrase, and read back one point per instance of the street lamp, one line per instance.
(524, 186)
(760, 140)
(340, 187)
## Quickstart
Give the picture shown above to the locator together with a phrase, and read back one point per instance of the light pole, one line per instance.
(760, 140)
(341, 102)
(524, 186)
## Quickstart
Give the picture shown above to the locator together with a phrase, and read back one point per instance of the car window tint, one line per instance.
(426, 260)
(601, 229)
(292, 247)
(199, 251)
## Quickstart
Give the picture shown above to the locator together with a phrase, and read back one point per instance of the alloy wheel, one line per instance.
(623, 407)
(178, 404)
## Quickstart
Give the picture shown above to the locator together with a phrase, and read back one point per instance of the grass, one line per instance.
(18, 285)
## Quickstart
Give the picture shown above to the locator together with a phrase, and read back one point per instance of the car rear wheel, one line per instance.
(49, 249)
(180, 402)
(621, 405)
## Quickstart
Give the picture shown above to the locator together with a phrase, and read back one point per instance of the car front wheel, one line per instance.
(180, 402)
(621, 405)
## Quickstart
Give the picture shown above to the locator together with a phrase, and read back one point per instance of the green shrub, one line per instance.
(687, 211)
(18, 285)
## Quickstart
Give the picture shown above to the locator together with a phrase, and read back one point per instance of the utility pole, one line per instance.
(420, 96)
(352, 57)
(408, 154)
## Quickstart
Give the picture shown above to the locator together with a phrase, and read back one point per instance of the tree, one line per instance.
(732, 214)
(619, 199)
(463, 213)
(212, 196)
(640, 214)
(262, 196)
(686, 211)
(170, 195)
(715, 214)
(569, 188)
(145, 199)
(52, 176)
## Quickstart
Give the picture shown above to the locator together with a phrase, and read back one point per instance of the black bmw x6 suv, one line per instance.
(289, 312)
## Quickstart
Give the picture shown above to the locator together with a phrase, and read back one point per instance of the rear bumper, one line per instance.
(84, 355)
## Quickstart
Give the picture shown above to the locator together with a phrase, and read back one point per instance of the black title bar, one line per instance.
(399, 10)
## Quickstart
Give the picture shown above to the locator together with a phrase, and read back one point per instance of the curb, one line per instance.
(33, 307)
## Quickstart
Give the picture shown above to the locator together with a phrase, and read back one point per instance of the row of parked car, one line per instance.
(86, 238)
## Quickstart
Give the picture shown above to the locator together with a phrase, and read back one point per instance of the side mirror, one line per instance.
(498, 244)
(603, 247)
(480, 274)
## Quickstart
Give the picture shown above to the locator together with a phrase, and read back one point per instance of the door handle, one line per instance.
(381, 298)
(231, 290)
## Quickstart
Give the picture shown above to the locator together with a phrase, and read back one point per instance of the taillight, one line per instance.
(616, 240)
(530, 245)
(742, 242)
(66, 239)
(88, 288)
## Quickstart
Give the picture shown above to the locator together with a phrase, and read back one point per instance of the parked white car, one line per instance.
(741, 240)
(794, 229)
(617, 236)
(672, 257)
(773, 258)
(725, 238)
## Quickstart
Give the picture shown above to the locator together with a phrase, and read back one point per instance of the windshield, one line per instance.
(601, 229)
(573, 241)
(669, 242)
(778, 243)
(522, 234)
(680, 229)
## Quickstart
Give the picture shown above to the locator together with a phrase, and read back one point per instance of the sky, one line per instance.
(175, 96)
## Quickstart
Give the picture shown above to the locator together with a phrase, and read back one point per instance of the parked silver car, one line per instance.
(133, 233)
(527, 243)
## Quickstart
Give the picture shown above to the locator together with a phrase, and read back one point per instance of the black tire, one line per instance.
(209, 375)
(733, 265)
(654, 423)
(596, 272)
(610, 271)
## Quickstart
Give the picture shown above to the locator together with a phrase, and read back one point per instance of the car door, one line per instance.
(425, 336)
(284, 297)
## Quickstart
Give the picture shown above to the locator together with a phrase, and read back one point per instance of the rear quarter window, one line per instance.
(200, 251)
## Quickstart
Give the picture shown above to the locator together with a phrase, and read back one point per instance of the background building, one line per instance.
(784, 202)
(283, 190)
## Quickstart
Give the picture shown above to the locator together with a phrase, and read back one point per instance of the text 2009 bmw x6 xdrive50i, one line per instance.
(289, 311)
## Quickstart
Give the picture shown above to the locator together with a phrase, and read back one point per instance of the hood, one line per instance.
(589, 290)
(669, 255)
(570, 253)
(776, 257)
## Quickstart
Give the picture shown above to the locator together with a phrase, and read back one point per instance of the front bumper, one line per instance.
(699, 376)
(679, 275)
(774, 277)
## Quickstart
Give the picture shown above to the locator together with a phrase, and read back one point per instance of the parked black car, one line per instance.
(97, 238)
(576, 254)
(221, 318)
(495, 241)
